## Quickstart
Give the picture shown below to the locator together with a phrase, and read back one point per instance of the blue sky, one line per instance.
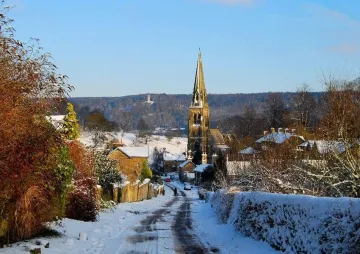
(123, 47)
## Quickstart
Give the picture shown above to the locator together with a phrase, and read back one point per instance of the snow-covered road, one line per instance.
(163, 229)
(166, 224)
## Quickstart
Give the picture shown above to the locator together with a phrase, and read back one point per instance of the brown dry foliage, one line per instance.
(29, 88)
(342, 109)
(83, 200)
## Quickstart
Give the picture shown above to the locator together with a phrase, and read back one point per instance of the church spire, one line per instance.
(199, 97)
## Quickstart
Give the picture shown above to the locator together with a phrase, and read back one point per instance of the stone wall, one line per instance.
(143, 192)
(136, 192)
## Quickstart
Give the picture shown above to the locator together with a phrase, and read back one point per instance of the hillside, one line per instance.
(170, 110)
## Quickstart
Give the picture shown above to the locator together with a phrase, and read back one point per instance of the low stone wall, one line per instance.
(129, 193)
(151, 193)
(135, 192)
(143, 191)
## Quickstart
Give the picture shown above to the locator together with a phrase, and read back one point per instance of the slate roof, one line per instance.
(325, 146)
(248, 150)
(277, 137)
(185, 163)
(202, 167)
(174, 157)
(217, 137)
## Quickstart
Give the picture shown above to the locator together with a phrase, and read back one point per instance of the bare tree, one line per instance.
(249, 118)
(341, 125)
(275, 110)
(304, 105)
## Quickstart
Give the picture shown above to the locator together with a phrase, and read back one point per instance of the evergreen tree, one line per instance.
(146, 171)
(70, 128)
(158, 160)
(107, 172)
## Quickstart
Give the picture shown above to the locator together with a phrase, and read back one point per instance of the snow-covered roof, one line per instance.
(56, 120)
(174, 157)
(135, 151)
(325, 146)
(277, 137)
(222, 147)
(185, 163)
(177, 129)
(202, 167)
(57, 117)
(248, 150)
(216, 137)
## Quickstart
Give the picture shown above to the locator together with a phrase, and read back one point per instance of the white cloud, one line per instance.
(343, 31)
(333, 15)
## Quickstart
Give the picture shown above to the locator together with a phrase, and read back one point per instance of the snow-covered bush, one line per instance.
(222, 203)
(107, 172)
(107, 204)
(208, 195)
(295, 223)
(202, 194)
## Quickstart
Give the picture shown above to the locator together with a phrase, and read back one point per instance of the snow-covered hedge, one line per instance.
(222, 203)
(293, 223)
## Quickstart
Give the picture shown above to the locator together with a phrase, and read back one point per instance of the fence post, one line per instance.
(115, 194)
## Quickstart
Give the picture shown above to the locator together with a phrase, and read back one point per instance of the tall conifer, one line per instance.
(70, 128)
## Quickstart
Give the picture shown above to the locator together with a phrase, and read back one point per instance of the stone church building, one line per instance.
(203, 142)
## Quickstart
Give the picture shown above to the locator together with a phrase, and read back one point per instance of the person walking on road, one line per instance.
(175, 191)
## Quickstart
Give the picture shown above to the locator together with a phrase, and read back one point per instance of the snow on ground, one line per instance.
(113, 233)
(223, 236)
(148, 227)
(176, 145)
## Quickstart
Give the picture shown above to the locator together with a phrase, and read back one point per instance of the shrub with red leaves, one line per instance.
(82, 200)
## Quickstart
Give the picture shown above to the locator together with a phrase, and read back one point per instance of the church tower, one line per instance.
(199, 117)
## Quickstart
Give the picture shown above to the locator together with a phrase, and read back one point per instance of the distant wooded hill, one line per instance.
(170, 110)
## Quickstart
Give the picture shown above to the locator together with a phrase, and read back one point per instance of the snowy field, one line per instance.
(151, 227)
(176, 145)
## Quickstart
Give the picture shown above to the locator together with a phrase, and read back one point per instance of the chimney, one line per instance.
(148, 98)
(272, 130)
(214, 157)
(286, 130)
(265, 133)
(280, 130)
(204, 159)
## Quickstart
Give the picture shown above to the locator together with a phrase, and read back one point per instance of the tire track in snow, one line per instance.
(185, 240)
